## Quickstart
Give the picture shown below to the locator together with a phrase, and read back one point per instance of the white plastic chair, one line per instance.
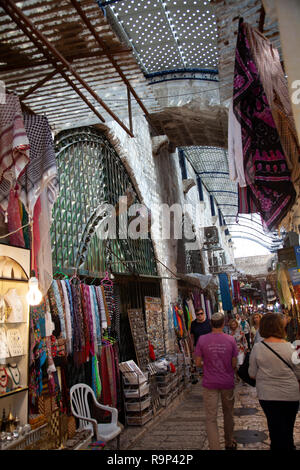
(80, 408)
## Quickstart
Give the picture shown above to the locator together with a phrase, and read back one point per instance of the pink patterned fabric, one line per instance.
(266, 171)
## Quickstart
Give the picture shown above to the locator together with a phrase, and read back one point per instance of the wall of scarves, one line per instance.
(28, 183)
(263, 147)
(74, 339)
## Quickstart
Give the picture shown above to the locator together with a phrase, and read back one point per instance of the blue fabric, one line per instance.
(225, 292)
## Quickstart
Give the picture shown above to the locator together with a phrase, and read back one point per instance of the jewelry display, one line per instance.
(3, 379)
(15, 303)
(4, 352)
(14, 373)
(14, 342)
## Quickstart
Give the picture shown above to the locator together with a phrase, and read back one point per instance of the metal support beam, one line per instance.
(38, 84)
(70, 58)
(40, 41)
(102, 44)
(129, 109)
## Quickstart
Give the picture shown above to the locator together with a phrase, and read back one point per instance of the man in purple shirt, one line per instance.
(217, 353)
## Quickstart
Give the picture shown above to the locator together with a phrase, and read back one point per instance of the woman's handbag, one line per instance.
(243, 371)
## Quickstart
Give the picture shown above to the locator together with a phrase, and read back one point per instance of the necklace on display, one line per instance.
(14, 373)
(3, 377)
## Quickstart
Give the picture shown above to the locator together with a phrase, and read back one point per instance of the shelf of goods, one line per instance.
(137, 398)
(14, 331)
(170, 384)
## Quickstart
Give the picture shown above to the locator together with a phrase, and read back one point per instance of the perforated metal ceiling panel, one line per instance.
(169, 34)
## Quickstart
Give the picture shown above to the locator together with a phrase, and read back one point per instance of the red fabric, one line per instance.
(14, 221)
(106, 397)
(172, 368)
(151, 352)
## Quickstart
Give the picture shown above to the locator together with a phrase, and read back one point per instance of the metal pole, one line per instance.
(129, 108)
(38, 84)
(107, 52)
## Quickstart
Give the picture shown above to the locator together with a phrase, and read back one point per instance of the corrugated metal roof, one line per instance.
(211, 164)
(23, 64)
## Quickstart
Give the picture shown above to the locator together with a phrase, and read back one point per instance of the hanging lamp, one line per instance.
(34, 295)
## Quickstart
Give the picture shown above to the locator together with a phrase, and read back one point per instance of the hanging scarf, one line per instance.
(60, 309)
(86, 308)
(67, 317)
(101, 307)
(78, 335)
(96, 380)
(97, 318)
(14, 147)
(266, 170)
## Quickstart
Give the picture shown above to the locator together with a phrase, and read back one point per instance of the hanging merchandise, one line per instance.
(14, 145)
(72, 344)
(154, 325)
(225, 292)
(191, 307)
(108, 297)
(267, 60)
(139, 336)
(28, 183)
(267, 174)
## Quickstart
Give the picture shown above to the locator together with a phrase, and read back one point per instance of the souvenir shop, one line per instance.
(100, 323)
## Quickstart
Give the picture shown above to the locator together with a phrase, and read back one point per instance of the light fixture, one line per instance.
(34, 295)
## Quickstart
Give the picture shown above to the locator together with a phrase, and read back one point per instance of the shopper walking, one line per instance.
(276, 381)
(254, 330)
(236, 331)
(217, 352)
(245, 327)
(200, 326)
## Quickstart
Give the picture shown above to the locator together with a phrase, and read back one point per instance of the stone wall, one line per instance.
(157, 179)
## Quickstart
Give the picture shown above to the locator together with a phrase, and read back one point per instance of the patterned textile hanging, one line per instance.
(266, 171)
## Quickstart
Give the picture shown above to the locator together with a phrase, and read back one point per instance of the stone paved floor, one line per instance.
(183, 426)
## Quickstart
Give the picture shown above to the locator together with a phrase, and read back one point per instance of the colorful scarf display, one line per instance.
(266, 171)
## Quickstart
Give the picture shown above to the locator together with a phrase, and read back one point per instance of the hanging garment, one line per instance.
(40, 184)
(191, 308)
(116, 293)
(78, 332)
(246, 205)
(225, 292)
(67, 317)
(271, 75)
(102, 307)
(265, 166)
(60, 308)
(86, 307)
(14, 147)
(44, 254)
(14, 220)
(235, 149)
(41, 172)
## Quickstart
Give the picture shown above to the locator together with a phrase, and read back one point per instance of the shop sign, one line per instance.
(294, 276)
(290, 256)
